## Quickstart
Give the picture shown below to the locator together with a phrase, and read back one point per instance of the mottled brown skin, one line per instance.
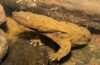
(63, 34)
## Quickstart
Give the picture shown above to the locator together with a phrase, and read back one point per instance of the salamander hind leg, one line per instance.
(63, 42)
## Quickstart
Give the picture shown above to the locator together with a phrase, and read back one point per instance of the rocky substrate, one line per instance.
(22, 53)
(20, 50)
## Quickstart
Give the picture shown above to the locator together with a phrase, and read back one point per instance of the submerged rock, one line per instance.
(3, 44)
(56, 11)
(23, 53)
(2, 15)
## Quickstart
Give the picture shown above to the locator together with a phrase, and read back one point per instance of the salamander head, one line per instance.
(23, 18)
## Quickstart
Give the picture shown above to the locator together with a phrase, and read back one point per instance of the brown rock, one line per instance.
(21, 52)
(3, 44)
(58, 9)
(2, 15)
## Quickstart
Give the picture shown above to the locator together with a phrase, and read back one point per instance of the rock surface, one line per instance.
(62, 13)
(89, 55)
(21, 52)
(2, 15)
(57, 11)
(3, 44)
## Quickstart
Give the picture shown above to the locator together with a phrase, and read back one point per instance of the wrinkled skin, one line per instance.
(65, 35)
